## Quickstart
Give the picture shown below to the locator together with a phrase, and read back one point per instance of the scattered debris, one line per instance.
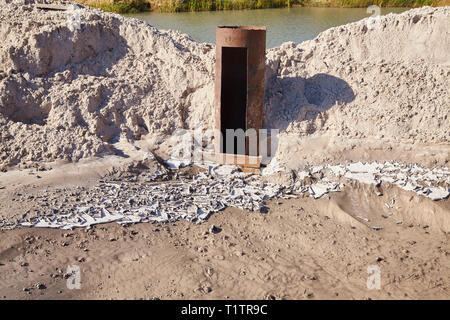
(143, 197)
(432, 183)
(213, 229)
(177, 163)
(362, 218)
(323, 187)
(130, 202)
(40, 286)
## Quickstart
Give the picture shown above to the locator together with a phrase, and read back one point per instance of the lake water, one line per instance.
(286, 24)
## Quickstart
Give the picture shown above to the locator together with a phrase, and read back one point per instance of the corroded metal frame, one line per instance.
(254, 39)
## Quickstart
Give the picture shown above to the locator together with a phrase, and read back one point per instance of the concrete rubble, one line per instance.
(130, 201)
(151, 197)
(431, 183)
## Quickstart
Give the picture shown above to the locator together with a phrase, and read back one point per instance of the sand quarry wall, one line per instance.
(70, 94)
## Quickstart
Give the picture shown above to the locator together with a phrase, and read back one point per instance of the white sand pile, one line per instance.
(70, 94)
(387, 86)
(67, 94)
(392, 80)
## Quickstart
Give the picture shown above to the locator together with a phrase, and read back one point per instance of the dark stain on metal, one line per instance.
(233, 98)
(239, 91)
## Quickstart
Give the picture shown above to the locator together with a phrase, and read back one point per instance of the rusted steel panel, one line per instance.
(228, 82)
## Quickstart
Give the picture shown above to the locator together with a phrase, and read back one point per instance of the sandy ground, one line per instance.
(301, 249)
(333, 99)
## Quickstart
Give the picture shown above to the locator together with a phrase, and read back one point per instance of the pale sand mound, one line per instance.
(70, 95)
(392, 80)
(357, 87)
(67, 94)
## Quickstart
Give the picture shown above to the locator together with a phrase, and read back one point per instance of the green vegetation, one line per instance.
(208, 5)
(123, 6)
(366, 3)
(133, 6)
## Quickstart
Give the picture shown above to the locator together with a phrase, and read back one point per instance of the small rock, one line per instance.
(206, 289)
(213, 229)
(239, 253)
(264, 210)
(40, 286)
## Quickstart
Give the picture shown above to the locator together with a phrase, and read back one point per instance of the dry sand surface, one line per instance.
(84, 109)
(301, 249)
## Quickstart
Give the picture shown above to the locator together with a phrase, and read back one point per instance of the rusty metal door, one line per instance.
(239, 91)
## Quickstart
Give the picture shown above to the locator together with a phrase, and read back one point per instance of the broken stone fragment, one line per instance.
(213, 229)
(40, 286)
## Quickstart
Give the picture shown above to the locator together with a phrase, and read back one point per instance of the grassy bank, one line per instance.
(129, 6)
(122, 6)
(366, 3)
(132, 6)
(208, 5)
